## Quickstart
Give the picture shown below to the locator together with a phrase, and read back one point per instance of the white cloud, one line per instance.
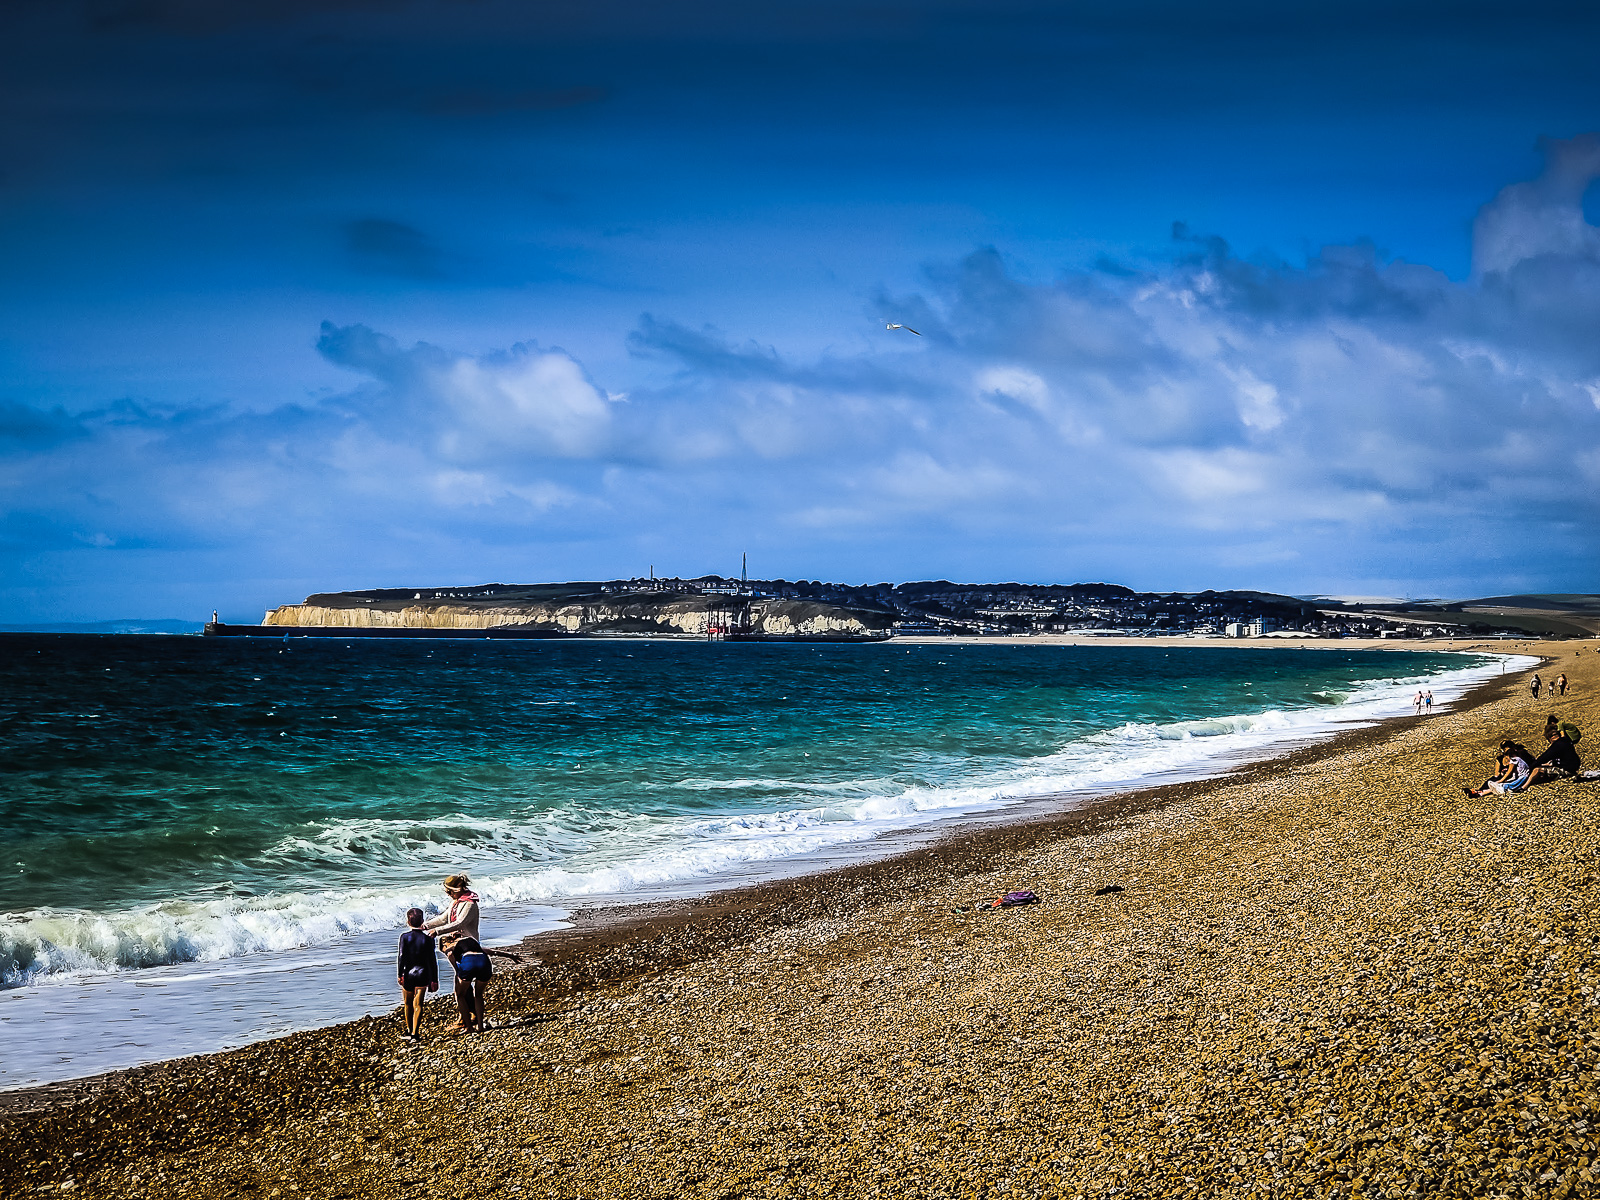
(1350, 419)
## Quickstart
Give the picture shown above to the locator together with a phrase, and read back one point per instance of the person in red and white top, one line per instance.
(458, 923)
(461, 918)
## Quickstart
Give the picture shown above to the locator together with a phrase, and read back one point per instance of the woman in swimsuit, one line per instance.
(473, 972)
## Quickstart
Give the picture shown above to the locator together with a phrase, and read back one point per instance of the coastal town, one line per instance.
(933, 608)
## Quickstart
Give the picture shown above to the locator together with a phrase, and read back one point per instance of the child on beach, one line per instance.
(1516, 766)
(419, 973)
(473, 972)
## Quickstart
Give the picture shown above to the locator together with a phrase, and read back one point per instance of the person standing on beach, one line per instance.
(473, 972)
(1416, 703)
(419, 973)
(1533, 685)
(460, 919)
(1561, 684)
(1427, 701)
(457, 922)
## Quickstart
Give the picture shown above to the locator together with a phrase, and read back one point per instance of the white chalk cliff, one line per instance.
(689, 616)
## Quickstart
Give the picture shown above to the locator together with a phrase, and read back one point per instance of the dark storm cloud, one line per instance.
(392, 247)
(1259, 414)
(474, 102)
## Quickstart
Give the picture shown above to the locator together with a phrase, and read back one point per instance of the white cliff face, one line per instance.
(688, 616)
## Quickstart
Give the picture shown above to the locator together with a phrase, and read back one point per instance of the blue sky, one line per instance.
(310, 296)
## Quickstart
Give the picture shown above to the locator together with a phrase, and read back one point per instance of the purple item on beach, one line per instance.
(1012, 899)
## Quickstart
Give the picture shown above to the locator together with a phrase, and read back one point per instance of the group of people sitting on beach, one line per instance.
(456, 932)
(1517, 768)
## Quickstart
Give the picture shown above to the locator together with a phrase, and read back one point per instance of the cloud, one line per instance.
(385, 247)
(518, 406)
(1206, 420)
(479, 101)
(1543, 218)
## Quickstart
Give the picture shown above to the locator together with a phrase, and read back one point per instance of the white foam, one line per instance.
(557, 856)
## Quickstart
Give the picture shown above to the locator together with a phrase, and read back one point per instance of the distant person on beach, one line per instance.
(1516, 765)
(1416, 703)
(1560, 760)
(1561, 684)
(419, 972)
(1427, 701)
(1533, 685)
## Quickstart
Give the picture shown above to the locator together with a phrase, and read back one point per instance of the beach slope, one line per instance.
(1331, 974)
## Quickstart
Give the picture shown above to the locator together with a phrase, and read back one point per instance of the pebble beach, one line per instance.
(1330, 974)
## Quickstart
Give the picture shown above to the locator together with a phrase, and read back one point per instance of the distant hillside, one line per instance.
(1557, 615)
(712, 605)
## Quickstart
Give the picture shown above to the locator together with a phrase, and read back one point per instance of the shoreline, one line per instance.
(597, 928)
(601, 946)
(168, 1038)
(615, 955)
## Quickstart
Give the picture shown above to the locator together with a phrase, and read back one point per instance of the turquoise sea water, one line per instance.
(172, 800)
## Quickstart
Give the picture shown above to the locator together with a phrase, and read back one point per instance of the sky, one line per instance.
(303, 296)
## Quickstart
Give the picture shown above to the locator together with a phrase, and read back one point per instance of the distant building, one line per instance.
(1234, 629)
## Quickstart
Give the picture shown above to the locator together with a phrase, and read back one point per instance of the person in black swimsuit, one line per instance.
(419, 973)
(473, 972)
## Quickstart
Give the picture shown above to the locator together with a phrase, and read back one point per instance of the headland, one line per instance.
(717, 608)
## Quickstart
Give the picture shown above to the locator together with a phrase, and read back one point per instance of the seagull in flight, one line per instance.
(907, 328)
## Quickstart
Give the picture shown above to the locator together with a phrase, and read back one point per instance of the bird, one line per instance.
(907, 328)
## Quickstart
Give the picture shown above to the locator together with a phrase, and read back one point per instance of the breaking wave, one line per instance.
(569, 853)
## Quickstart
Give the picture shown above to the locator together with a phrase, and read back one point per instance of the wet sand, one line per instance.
(1327, 974)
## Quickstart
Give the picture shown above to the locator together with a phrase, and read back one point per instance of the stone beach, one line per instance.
(1330, 974)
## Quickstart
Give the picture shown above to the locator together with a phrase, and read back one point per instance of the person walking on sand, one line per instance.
(1416, 703)
(1533, 685)
(1561, 684)
(1427, 701)
(419, 973)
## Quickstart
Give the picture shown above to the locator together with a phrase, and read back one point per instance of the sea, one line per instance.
(209, 841)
